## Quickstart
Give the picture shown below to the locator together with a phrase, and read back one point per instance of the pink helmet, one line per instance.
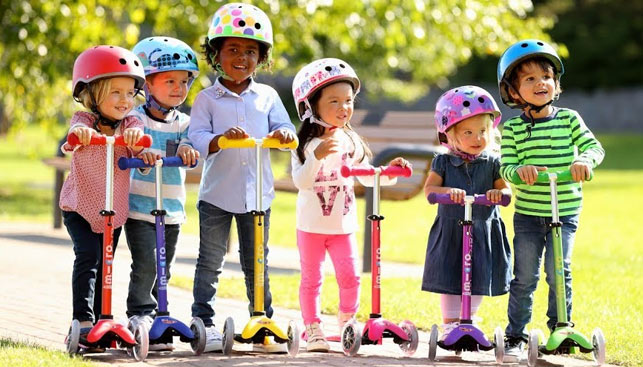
(106, 62)
(316, 75)
(460, 103)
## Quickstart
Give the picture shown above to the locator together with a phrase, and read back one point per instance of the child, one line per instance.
(106, 80)
(324, 91)
(170, 68)
(466, 118)
(239, 40)
(542, 137)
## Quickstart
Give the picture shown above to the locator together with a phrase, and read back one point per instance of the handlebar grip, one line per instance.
(225, 143)
(275, 143)
(145, 141)
(391, 171)
(125, 163)
(562, 175)
(176, 162)
(479, 199)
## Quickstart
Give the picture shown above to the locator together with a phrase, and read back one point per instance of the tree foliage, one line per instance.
(398, 47)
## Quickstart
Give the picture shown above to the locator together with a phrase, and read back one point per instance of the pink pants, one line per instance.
(312, 252)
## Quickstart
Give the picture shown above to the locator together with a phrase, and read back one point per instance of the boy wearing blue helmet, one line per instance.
(543, 137)
(170, 68)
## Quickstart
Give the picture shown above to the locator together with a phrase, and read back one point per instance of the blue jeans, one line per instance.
(86, 278)
(214, 224)
(143, 288)
(532, 235)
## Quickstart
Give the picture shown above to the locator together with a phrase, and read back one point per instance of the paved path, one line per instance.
(35, 275)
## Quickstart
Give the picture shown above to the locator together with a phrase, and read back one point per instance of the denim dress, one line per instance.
(491, 265)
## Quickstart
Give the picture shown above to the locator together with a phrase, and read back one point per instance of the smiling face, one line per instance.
(169, 88)
(238, 58)
(335, 105)
(119, 100)
(471, 135)
(536, 85)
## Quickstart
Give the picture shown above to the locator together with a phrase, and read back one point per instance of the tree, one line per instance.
(398, 47)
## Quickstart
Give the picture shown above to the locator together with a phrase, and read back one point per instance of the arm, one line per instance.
(303, 175)
(278, 119)
(591, 151)
(200, 131)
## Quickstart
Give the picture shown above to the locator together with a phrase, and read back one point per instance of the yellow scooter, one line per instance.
(260, 327)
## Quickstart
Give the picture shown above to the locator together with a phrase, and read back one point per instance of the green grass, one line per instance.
(16, 354)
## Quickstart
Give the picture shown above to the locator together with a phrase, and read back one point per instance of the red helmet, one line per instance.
(106, 62)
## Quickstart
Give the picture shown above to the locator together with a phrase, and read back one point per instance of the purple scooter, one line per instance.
(164, 327)
(466, 336)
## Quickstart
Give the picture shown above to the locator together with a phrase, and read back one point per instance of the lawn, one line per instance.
(23, 355)
(606, 262)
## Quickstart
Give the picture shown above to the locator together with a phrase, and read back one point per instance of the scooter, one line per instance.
(108, 333)
(259, 327)
(164, 327)
(377, 328)
(564, 339)
(467, 336)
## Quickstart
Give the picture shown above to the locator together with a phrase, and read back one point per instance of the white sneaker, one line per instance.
(316, 342)
(161, 347)
(213, 340)
(147, 320)
(447, 328)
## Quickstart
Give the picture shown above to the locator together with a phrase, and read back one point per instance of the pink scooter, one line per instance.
(108, 333)
(377, 328)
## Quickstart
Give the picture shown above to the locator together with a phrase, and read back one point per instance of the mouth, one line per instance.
(541, 93)
(240, 67)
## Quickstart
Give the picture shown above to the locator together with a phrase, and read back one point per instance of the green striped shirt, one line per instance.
(556, 142)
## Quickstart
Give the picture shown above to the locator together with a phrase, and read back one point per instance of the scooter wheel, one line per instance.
(228, 336)
(433, 342)
(598, 340)
(142, 337)
(73, 338)
(499, 341)
(411, 345)
(351, 339)
(198, 329)
(293, 339)
(532, 356)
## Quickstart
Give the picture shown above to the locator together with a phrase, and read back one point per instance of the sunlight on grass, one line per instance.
(16, 354)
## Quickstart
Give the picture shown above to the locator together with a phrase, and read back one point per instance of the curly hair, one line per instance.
(211, 49)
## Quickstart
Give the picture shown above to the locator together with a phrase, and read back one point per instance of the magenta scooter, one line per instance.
(164, 327)
(467, 336)
(108, 333)
(377, 328)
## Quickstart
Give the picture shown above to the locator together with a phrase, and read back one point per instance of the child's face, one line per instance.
(536, 85)
(335, 105)
(471, 134)
(169, 88)
(238, 58)
(120, 99)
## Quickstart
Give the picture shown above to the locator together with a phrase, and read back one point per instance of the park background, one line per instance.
(406, 53)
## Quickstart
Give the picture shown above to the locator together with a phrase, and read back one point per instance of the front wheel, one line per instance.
(228, 336)
(411, 345)
(293, 339)
(73, 339)
(198, 330)
(532, 356)
(142, 337)
(598, 340)
(499, 341)
(433, 342)
(351, 339)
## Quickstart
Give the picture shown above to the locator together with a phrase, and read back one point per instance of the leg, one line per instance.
(141, 239)
(312, 251)
(214, 231)
(450, 306)
(343, 252)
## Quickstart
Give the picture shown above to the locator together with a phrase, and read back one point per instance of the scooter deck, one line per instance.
(564, 340)
(466, 337)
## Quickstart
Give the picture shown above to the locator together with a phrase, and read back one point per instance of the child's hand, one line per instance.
(131, 136)
(529, 174)
(399, 161)
(285, 136)
(188, 154)
(457, 195)
(148, 157)
(494, 195)
(581, 171)
(84, 134)
(326, 147)
(236, 132)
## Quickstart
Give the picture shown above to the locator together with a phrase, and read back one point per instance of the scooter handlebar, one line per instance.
(562, 175)
(225, 143)
(98, 139)
(126, 163)
(479, 199)
(391, 171)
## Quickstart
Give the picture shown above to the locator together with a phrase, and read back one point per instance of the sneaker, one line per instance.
(514, 347)
(343, 318)
(84, 345)
(316, 341)
(269, 346)
(147, 320)
(161, 347)
(213, 339)
(447, 328)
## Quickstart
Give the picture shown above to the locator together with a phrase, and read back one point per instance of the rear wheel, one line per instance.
(73, 338)
(198, 329)
(532, 356)
(228, 336)
(499, 341)
(411, 345)
(142, 337)
(293, 339)
(351, 339)
(598, 340)
(433, 342)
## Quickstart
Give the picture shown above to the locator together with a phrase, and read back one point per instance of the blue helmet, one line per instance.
(159, 54)
(519, 52)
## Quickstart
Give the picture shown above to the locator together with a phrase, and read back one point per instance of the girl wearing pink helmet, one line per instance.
(324, 92)
(106, 80)
(466, 118)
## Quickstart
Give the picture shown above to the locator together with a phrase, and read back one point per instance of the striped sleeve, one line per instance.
(590, 149)
(509, 162)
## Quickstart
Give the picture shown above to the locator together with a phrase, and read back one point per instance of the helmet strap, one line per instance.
(309, 115)
(151, 103)
(102, 119)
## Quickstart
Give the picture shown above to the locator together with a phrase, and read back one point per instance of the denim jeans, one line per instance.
(86, 278)
(532, 235)
(143, 287)
(214, 224)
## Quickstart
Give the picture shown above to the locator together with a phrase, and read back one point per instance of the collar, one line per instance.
(551, 116)
(170, 117)
(220, 90)
(457, 161)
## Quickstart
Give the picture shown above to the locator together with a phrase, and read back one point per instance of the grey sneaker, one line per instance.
(514, 347)
(213, 339)
(161, 347)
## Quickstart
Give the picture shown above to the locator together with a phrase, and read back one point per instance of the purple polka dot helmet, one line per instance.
(243, 21)
(460, 103)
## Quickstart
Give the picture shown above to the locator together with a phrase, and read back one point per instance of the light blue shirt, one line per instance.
(228, 179)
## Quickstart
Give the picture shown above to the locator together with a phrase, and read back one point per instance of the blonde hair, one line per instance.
(95, 93)
(493, 137)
